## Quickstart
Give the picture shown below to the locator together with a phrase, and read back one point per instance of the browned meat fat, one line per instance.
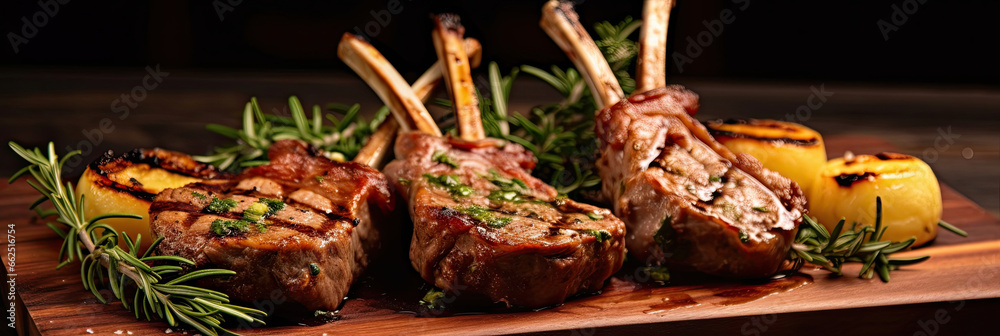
(687, 200)
(310, 250)
(483, 225)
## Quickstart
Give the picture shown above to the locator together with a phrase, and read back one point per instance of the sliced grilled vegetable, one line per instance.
(127, 183)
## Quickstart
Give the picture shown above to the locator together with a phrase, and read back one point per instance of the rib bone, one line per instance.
(387, 83)
(448, 32)
(651, 70)
(378, 144)
(562, 24)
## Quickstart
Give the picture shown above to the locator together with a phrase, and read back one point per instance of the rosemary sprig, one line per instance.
(155, 293)
(813, 244)
(618, 49)
(341, 141)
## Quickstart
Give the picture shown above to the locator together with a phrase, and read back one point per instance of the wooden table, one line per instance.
(956, 292)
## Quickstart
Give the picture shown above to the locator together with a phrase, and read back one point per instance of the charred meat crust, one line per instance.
(546, 250)
(331, 225)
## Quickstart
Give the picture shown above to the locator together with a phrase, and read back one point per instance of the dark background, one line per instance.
(943, 41)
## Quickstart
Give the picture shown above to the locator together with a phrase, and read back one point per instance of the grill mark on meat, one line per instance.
(341, 240)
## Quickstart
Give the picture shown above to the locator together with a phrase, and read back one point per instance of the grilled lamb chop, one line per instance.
(687, 200)
(311, 247)
(315, 246)
(482, 224)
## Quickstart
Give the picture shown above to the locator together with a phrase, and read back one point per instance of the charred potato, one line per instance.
(128, 183)
(911, 198)
(794, 151)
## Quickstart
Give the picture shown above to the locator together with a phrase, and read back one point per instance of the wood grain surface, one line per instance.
(955, 292)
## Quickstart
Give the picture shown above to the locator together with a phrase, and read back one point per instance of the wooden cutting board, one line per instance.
(957, 291)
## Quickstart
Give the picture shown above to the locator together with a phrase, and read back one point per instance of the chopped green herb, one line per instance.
(595, 216)
(451, 184)
(601, 235)
(220, 206)
(273, 205)
(432, 299)
(442, 157)
(223, 228)
(485, 216)
(403, 181)
(314, 269)
(501, 195)
(744, 237)
(715, 179)
(198, 195)
(319, 178)
(760, 209)
(255, 213)
(665, 235)
(730, 210)
(658, 273)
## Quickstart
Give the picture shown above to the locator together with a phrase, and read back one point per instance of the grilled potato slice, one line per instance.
(128, 183)
(911, 197)
(793, 150)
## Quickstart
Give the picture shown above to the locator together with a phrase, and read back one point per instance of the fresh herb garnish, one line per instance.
(485, 216)
(314, 269)
(451, 184)
(813, 244)
(744, 237)
(198, 195)
(403, 180)
(658, 273)
(157, 291)
(760, 209)
(220, 206)
(665, 236)
(341, 141)
(952, 228)
(442, 157)
(595, 216)
(433, 299)
(600, 235)
(505, 195)
(319, 178)
(226, 228)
